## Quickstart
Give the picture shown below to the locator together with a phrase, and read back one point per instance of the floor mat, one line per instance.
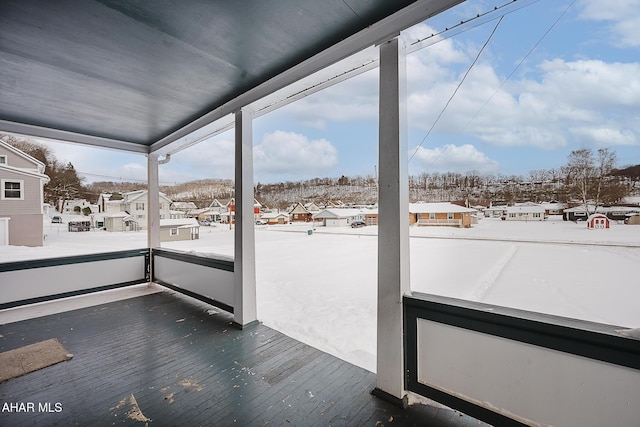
(21, 361)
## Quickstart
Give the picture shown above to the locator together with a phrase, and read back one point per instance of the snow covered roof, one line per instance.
(271, 215)
(199, 211)
(299, 209)
(438, 208)
(180, 222)
(632, 200)
(123, 215)
(580, 208)
(553, 205)
(597, 215)
(527, 208)
(134, 195)
(184, 205)
(339, 213)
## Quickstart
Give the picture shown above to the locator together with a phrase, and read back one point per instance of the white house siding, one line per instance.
(528, 213)
(336, 222)
(136, 204)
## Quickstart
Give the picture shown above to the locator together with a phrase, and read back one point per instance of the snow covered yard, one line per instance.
(321, 288)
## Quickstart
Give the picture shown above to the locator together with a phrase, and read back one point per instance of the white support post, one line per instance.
(393, 226)
(244, 309)
(153, 214)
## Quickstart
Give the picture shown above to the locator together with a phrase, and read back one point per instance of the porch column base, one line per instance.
(396, 401)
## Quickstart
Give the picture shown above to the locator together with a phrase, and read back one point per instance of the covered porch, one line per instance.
(167, 78)
(160, 358)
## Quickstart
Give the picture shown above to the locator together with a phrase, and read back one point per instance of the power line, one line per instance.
(457, 87)
(461, 27)
(518, 66)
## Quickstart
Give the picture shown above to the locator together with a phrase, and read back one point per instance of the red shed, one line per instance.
(598, 221)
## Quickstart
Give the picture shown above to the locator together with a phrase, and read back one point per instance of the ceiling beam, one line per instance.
(66, 136)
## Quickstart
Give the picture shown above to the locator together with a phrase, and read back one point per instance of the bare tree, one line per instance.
(588, 177)
(606, 161)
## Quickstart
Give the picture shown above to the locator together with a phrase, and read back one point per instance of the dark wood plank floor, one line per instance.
(163, 359)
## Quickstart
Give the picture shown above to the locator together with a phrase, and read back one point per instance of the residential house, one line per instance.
(334, 204)
(187, 208)
(103, 199)
(371, 216)
(578, 213)
(495, 211)
(618, 213)
(231, 210)
(553, 208)
(174, 214)
(120, 221)
(135, 205)
(22, 180)
(525, 212)
(212, 213)
(312, 207)
(339, 217)
(203, 214)
(78, 206)
(275, 218)
(447, 214)
(614, 213)
(300, 214)
(172, 230)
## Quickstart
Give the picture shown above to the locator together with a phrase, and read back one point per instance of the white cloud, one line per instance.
(353, 99)
(541, 111)
(602, 136)
(292, 153)
(211, 159)
(622, 15)
(453, 158)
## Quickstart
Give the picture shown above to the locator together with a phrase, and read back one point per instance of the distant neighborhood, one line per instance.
(23, 209)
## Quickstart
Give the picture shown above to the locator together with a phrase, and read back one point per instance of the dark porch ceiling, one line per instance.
(138, 72)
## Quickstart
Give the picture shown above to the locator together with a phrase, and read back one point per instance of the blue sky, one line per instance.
(579, 88)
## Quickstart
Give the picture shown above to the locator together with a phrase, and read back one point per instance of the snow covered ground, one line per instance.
(321, 288)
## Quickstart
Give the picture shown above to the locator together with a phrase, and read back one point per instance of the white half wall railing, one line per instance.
(208, 279)
(33, 281)
(511, 367)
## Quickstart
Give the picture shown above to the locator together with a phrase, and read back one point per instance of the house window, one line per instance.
(3, 160)
(432, 215)
(140, 216)
(173, 232)
(450, 215)
(536, 215)
(139, 206)
(12, 189)
(512, 215)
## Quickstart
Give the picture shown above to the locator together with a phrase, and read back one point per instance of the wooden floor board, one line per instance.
(182, 364)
